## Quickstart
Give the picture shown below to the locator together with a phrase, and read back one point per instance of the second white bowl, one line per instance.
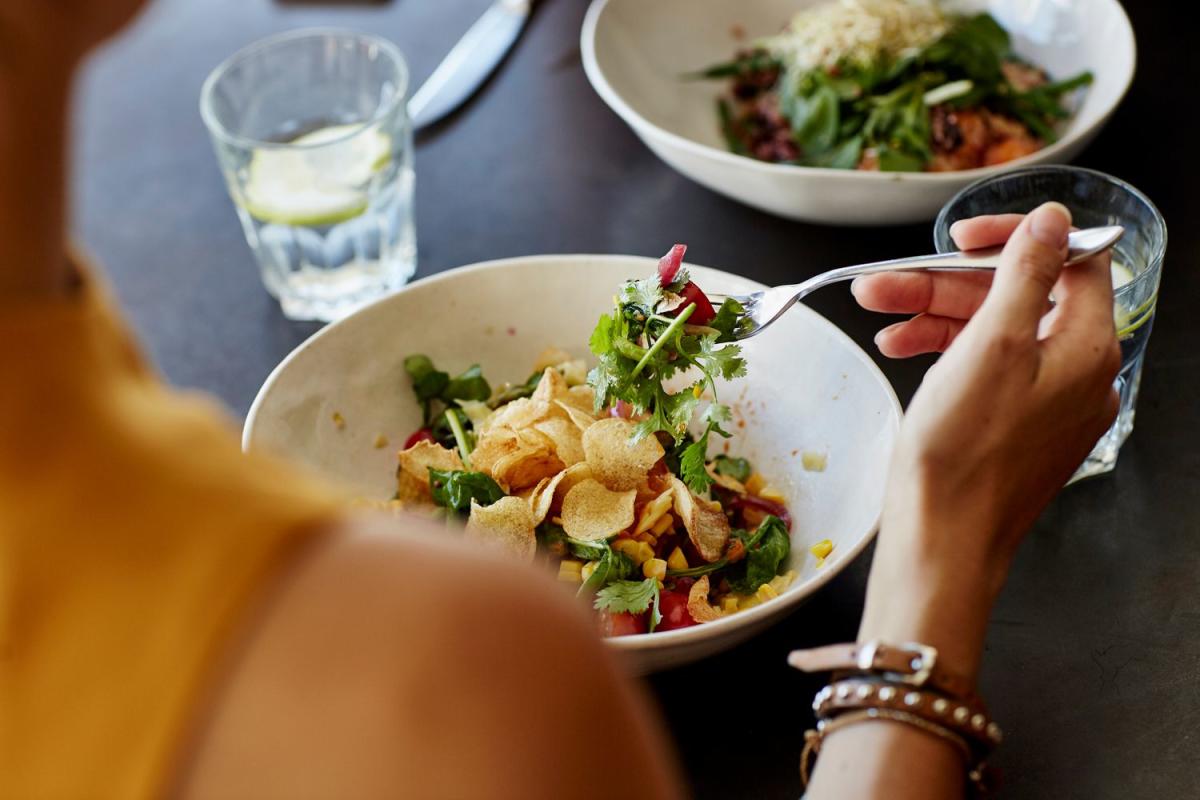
(635, 53)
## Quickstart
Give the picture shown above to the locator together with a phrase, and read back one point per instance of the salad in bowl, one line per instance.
(608, 476)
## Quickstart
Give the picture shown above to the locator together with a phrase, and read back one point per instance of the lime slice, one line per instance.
(1127, 320)
(314, 184)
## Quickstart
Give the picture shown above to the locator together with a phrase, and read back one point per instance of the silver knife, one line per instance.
(470, 62)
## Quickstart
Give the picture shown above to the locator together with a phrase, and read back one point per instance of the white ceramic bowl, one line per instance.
(635, 52)
(810, 388)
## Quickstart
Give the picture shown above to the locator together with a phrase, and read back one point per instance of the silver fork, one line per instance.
(763, 308)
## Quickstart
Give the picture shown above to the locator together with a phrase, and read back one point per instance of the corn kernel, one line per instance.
(339, 421)
(813, 462)
(781, 582)
(626, 546)
(677, 560)
(654, 511)
(586, 571)
(655, 568)
(755, 483)
(638, 552)
(772, 494)
(381, 442)
(570, 571)
(821, 549)
(648, 538)
(729, 605)
(766, 592)
(749, 601)
(697, 390)
(665, 523)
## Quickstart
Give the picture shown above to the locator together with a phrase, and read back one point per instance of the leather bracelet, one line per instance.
(978, 775)
(968, 720)
(910, 663)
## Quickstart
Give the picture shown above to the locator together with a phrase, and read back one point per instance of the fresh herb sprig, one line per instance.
(631, 597)
(645, 342)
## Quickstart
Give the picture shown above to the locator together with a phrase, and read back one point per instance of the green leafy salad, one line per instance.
(892, 85)
(606, 475)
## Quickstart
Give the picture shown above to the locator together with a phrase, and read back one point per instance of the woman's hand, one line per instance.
(998, 426)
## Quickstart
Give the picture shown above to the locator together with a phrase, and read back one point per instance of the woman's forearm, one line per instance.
(34, 99)
(913, 598)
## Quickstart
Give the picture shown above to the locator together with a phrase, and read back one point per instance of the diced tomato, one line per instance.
(668, 265)
(743, 501)
(419, 435)
(673, 606)
(704, 312)
(622, 624)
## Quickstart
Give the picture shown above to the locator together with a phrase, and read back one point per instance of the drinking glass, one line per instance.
(1094, 199)
(312, 134)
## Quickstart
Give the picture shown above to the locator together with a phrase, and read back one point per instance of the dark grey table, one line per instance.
(1093, 663)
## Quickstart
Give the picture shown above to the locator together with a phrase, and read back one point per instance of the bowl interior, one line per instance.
(809, 389)
(643, 50)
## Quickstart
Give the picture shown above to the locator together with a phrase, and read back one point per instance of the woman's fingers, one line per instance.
(1029, 269)
(1084, 297)
(925, 333)
(986, 231)
(944, 294)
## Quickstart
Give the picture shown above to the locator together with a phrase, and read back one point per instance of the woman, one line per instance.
(176, 618)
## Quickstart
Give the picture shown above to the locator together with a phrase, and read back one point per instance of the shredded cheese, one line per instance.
(860, 31)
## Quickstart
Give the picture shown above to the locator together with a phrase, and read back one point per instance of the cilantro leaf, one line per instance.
(691, 466)
(627, 597)
(455, 489)
(725, 361)
(643, 294)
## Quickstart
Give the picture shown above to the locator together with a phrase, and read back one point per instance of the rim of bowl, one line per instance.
(1160, 252)
(218, 130)
(640, 124)
(695, 633)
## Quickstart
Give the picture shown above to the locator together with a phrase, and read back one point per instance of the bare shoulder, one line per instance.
(388, 663)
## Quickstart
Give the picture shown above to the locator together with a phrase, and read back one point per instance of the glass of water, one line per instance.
(1094, 199)
(312, 133)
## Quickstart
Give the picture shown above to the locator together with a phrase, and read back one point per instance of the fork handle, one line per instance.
(1081, 245)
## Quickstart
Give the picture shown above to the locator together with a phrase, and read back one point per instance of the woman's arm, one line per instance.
(41, 46)
(994, 432)
(413, 666)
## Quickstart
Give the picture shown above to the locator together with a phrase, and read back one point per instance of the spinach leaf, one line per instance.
(455, 489)
(428, 382)
(737, 468)
(766, 549)
(730, 320)
(842, 156)
(470, 385)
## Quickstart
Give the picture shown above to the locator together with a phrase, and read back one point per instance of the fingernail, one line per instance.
(957, 225)
(1050, 224)
(854, 286)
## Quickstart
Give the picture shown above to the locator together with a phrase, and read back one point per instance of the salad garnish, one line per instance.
(660, 328)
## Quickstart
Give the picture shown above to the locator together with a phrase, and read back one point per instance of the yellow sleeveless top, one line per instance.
(133, 535)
